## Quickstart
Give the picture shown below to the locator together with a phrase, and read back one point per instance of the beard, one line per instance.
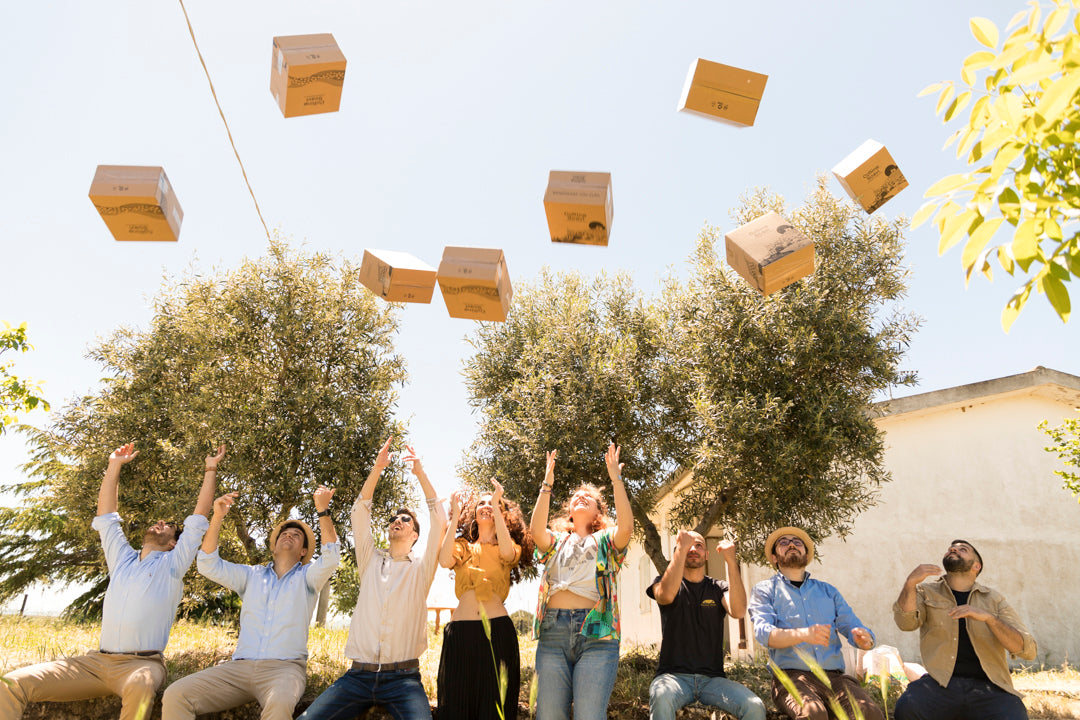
(956, 564)
(694, 562)
(792, 560)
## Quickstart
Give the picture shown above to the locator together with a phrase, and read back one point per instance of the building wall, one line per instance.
(975, 471)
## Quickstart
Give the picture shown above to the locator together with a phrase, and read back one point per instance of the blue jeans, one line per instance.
(963, 699)
(571, 668)
(398, 692)
(671, 691)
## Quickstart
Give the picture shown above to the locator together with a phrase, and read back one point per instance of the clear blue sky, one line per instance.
(451, 117)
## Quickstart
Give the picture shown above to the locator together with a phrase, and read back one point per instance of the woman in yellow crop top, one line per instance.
(485, 546)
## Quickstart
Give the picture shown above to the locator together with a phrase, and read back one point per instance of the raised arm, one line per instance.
(664, 592)
(110, 484)
(539, 521)
(322, 498)
(502, 533)
(436, 513)
(209, 482)
(446, 550)
(624, 522)
(221, 508)
(735, 597)
(382, 460)
(412, 462)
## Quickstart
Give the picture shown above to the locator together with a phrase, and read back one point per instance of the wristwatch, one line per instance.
(324, 513)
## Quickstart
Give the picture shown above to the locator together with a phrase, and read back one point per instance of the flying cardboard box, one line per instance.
(722, 92)
(870, 176)
(136, 203)
(770, 253)
(397, 276)
(579, 207)
(475, 283)
(307, 73)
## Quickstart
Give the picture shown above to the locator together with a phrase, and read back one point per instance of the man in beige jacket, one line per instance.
(966, 631)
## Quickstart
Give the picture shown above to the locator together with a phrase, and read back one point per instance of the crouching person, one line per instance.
(278, 598)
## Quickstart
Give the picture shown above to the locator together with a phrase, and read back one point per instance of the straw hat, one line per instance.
(770, 542)
(309, 551)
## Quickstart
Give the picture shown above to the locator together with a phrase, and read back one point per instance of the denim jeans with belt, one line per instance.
(671, 691)
(571, 668)
(963, 698)
(398, 692)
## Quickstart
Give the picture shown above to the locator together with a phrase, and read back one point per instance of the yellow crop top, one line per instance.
(478, 567)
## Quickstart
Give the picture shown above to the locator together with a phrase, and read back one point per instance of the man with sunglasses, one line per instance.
(967, 631)
(145, 588)
(388, 632)
(799, 619)
(269, 664)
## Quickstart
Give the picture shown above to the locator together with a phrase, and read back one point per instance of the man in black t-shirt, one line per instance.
(693, 607)
(966, 629)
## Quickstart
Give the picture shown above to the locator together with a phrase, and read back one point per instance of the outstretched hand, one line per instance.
(726, 548)
(322, 498)
(455, 504)
(496, 497)
(382, 460)
(549, 473)
(224, 503)
(124, 454)
(412, 461)
(611, 459)
(213, 460)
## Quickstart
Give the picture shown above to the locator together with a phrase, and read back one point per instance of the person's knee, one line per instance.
(142, 684)
(664, 698)
(175, 702)
(752, 709)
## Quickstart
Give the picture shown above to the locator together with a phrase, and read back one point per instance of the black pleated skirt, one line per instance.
(468, 686)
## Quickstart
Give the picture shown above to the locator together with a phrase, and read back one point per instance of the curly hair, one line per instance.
(469, 529)
(565, 522)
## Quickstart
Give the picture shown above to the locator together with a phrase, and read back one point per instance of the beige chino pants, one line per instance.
(276, 684)
(134, 678)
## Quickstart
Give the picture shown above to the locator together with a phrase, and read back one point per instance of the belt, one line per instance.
(386, 667)
(140, 653)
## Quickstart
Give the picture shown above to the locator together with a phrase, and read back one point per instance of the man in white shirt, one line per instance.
(388, 632)
(145, 588)
(270, 661)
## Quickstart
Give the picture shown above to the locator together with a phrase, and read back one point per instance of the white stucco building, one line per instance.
(967, 462)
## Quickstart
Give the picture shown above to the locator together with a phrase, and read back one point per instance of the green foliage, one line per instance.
(765, 398)
(1066, 437)
(287, 359)
(1019, 141)
(523, 621)
(16, 395)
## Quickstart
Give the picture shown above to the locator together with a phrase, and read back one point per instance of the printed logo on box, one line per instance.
(137, 208)
(330, 77)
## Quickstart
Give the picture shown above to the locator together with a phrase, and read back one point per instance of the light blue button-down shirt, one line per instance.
(141, 601)
(276, 612)
(776, 604)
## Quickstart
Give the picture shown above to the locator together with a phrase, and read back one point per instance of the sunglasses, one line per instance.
(404, 517)
(784, 542)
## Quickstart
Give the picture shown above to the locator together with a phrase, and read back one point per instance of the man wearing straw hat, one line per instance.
(966, 632)
(800, 619)
(270, 661)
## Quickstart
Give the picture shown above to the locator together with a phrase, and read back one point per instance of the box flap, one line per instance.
(727, 78)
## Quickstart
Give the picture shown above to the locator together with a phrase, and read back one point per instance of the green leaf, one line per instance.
(1057, 294)
(1058, 97)
(1016, 19)
(1014, 306)
(1025, 244)
(1055, 21)
(1004, 157)
(949, 184)
(923, 214)
(984, 31)
(954, 229)
(945, 97)
(933, 88)
(978, 240)
(958, 105)
(1004, 257)
(1009, 205)
(979, 59)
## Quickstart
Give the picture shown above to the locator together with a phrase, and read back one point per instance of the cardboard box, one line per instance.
(722, 92)
(136, 203)
(397, 276)
(307, 73)
(475, 283)
(870, 176)
(770, 253)
(579, 207)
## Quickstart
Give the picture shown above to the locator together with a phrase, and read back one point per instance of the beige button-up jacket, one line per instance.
(939, 633)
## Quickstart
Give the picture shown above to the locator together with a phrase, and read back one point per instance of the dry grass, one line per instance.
(1051, 693)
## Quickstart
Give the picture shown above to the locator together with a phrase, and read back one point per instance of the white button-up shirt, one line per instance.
(389, 623)
(143, 594)
(276, 612)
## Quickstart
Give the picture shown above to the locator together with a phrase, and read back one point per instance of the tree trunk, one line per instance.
(652, 541)
(324, 604)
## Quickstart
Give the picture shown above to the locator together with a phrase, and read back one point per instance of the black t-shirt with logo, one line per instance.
(693, 629)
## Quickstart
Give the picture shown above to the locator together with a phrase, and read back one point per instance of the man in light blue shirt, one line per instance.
(145, 588)
(270, 661)
(800, 619)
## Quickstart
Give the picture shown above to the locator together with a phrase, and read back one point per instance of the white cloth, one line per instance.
(574, 567)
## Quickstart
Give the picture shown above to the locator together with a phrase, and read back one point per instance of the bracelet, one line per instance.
(209, 469)
(543, 490)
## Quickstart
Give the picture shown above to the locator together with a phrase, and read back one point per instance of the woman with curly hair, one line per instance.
(577, 617)
(486, 546)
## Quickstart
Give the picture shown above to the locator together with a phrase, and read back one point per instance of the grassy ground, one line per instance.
(1052, 693)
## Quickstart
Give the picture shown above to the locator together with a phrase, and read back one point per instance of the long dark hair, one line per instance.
(469, 529)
